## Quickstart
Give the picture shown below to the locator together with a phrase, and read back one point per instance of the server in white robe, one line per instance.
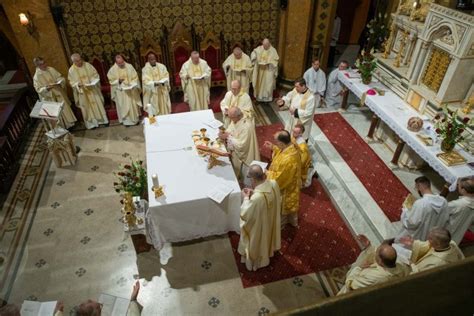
(316, 81)
(335, 89)
(461, 211)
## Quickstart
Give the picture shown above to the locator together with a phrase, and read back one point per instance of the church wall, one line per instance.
(6, 29)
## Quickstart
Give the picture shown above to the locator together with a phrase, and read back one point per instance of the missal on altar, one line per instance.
(113, 305)
(403, 254)
(219, 193)
(33, 308)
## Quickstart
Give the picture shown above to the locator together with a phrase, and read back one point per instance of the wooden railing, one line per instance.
(15, 125)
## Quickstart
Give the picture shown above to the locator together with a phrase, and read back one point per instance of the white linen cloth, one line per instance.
(185, 212)
(395, 112)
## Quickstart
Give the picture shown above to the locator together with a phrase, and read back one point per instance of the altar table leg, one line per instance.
(445, 191)
(140, 244)
(398, 152)
(373, 125)
(345, 97)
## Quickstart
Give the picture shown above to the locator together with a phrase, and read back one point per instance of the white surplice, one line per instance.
(426, 213)
(334, 88)
(305, 106)
(260, 227)
(461, 217)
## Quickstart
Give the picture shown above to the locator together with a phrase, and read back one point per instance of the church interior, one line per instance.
(218, 157)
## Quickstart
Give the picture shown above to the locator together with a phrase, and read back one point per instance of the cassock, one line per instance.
(260, 226)
(242, 101)
(461, 217)
(333, 96)
(426, 213)
(360, 276)
(57, 93)
(127, 94)
(424, 257)
(265, 72)
(304, 113)
(196, 90)
(156, 95)
(316, 82)
(243, 144)
(88, 97)
(238, 69)
(306, 173)
(285, 169)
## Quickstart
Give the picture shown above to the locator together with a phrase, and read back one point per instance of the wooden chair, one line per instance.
(180, 48)
(211, 51)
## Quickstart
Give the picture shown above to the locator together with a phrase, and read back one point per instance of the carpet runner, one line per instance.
(384, 187)
(321, 242)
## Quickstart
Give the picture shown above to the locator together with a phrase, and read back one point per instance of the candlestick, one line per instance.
(154, 179)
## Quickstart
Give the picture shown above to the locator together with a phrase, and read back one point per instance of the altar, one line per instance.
(185, 211)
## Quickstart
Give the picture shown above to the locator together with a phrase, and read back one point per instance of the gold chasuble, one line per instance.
(265, 72)
(238, 69)
(285, 169)
(196, 82)
(126, 94)
(57, 93)
(242, 101)
(88, 96)
(305, 155)
(156, 89)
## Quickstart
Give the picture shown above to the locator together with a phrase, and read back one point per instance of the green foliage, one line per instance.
(450, 128)
(131, 178)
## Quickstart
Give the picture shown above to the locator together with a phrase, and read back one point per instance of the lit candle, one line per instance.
(147, 109)
(154, 179)
(23, 19)
(415, 4)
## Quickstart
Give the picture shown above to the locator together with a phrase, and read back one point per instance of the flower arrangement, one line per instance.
(131, 178)
(366, 64)
(449, 128)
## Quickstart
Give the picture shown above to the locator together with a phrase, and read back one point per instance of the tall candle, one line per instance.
(154, 179)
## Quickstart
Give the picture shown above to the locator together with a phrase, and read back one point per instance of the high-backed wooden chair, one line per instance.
(211, 51)
(180, 48)
(102, 67)
(149, 46)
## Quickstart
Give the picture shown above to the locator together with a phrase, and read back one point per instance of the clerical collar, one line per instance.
(153, 65)
(304, 91)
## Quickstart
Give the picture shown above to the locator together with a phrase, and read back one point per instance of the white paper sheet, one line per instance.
(214, 123)
(113, 305)
(92, 83)
(32, 308)
(49, 109)
(199, 77)
(260, 163)
(219, 193)
(130, 87)
(403, 254)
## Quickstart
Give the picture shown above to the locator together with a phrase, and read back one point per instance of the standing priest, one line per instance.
(260, 215)
(236, 97)
(51, 86)
(156, 87)
(265, 71)
(125, 91)
(195, 77)
(238, 67)
(85, 83)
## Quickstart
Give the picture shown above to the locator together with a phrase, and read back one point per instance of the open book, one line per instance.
(128, 87)
(92, 83)
(113, 305)
(199, 77)
(409, 200)
(50, 109)
(32, 308)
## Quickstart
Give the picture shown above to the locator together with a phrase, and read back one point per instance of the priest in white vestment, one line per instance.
(426, 213)
(438, 250)
(316, 81)
(195, 77)
(300, 103)
(260, 215)
(236, 97)
(373, 267)
(335, 89)
(156, 87)
(461, 211)
(85, 83)
(265, 71)
(125, 85)
(242, 142)
(238, 67)
(51, 86)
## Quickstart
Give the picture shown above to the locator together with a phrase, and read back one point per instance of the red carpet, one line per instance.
(384, 187)
(322, 241)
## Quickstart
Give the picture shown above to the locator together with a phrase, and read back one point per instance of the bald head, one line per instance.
(76, 59)
(256, 172)
(40, 63)
(235, 87)
(89, 308)
(266, 43)
(439, 238)
(235, 114)
(466, 186)
(386, 256)
(237, 52)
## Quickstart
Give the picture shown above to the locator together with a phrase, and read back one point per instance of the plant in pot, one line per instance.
(132, 178)
(449, 128)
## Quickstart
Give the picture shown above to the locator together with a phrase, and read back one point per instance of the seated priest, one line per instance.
(285, 169)
(461, 211)
(51, 86)
(265, 71)
(373, 267)
(195, 77)
(300, 103)
(438, 250)
(241, 140)
(335, 89)
(259, 220)
(236, 97)
(238, 67)
(85, 83)
(156, 87)
(307, 170)
(426, 213)
(125, 85)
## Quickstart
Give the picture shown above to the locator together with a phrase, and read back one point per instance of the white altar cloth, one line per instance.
(185, 212)
(395, 112)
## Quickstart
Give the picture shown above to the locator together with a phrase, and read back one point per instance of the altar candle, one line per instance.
(154, 179)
